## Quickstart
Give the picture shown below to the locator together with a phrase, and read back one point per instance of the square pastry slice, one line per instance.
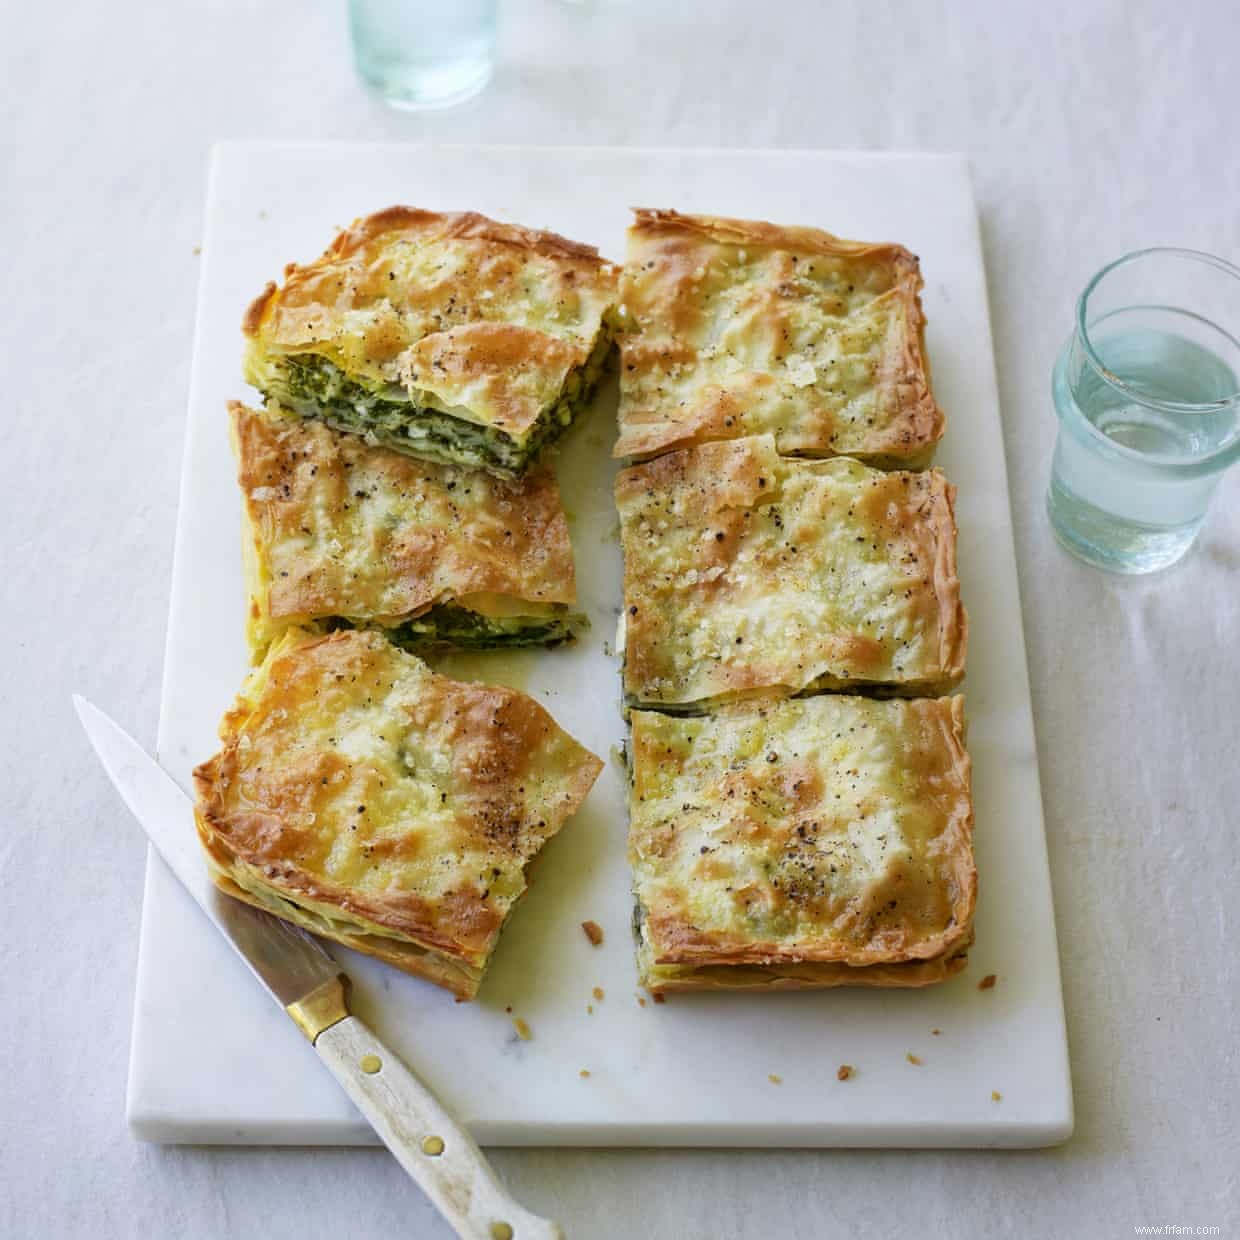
(342, 534)
(452, 338)
(736, 327)
(825, 841)
(376, 803)
(746, 572)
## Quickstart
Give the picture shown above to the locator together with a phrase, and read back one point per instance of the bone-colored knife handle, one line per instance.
(440, 1155)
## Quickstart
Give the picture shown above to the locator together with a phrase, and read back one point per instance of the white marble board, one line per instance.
(213, 1060)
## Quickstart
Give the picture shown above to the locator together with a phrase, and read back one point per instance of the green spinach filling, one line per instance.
(315, 387)
(447, 624)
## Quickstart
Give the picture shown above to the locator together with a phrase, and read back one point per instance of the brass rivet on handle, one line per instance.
(501, 1231)
(370, 1064)
(432, 1146)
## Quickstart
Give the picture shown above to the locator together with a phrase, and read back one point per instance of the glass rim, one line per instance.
(1113, 380)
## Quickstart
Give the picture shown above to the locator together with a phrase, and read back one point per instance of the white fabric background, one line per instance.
(1093, 128)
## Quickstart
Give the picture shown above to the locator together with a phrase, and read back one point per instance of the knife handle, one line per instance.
(436, 1151)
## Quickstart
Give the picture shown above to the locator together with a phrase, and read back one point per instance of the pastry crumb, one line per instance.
(988, 982)
(197, 250)
(523, 1030)
(508, 1009)
(640, 1001)
(594, 932)
(660, 998)
(597, 992)
(844, 1072)
(996, 1096)
(584, 1073)
(589, 1009)
(936, 1032)
(774, 1078)
(915, 1060)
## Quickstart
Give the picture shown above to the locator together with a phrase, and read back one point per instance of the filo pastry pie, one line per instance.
(740, 327)
(825, 841)
(746, 573)
(373, 802)
(342, 533)
(449, 337)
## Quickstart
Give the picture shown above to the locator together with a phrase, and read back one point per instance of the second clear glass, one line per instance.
(420, 54)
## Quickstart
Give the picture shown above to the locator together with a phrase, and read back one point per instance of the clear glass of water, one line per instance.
(424, 53)
(1148, 401)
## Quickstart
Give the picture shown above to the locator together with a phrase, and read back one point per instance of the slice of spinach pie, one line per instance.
(742, 327)
(823, 841)
(747, 573)
(340, 534)
(449, 337)
(371, 801)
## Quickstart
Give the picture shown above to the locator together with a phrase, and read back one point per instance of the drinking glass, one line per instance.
(1148, 400)
(424, 53)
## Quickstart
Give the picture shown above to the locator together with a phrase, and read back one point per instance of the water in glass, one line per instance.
(424, 53)
(1142, 512)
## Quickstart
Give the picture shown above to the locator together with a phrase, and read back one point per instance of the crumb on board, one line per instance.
(523, 1030)
(844, 1072)
(996, 1096)
(774, 1078)
(584, 1073)
(915, 1060)
(988, 982)
(197, 250)
(594, 932)
(936, 1032)
(597, 992)
(640, 1001)
(660, 998)
(616, 752)
(589, 1009)
(508, 1009)
(607, 649)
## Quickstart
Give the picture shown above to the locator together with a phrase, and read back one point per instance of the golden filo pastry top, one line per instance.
(746, 572)
(822, 841)
(374, 802)
(740, 327)
(446, 336)
(339, 532)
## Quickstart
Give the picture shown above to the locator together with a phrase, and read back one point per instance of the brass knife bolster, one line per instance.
(326, 1005)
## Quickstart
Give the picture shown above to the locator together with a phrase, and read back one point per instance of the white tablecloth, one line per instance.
(1093, 128)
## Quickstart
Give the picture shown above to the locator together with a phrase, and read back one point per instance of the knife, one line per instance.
(308, 983)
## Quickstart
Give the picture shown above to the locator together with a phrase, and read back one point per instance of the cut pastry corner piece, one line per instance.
(339, 533)
(741, 327)
(800, 844)
(748, 573)
(449, 337)
(373, 802)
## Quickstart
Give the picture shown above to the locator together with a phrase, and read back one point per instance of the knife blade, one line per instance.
(307, 981)
(290, 963)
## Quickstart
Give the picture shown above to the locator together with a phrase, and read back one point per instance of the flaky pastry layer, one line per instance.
(338, 530)
(746, 572)
(815, 842)
(377, 803)
(450, 337)
(740, 327)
